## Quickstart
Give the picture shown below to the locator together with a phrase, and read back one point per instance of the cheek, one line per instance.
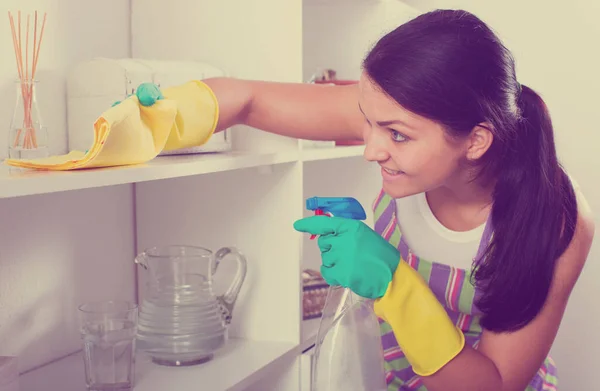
(427, 160)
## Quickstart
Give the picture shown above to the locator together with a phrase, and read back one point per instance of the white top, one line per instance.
(431, 240)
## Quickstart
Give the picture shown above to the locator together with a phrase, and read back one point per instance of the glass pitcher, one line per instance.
(181, 321)
(348, 351)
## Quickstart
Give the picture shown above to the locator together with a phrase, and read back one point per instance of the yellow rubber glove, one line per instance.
(197, 114)
(425, 333)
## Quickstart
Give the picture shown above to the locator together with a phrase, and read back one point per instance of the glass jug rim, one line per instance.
(176, 250)
(108, 307)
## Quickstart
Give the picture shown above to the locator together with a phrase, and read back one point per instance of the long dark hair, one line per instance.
(449, 66)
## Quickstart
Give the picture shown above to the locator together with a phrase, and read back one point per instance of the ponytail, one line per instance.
(533, 215)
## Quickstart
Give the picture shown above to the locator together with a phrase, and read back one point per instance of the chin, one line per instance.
(400, 190)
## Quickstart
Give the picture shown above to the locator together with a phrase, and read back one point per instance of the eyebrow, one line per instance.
(387, 123)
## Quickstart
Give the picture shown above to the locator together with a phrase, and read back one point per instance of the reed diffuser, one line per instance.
(28, 137)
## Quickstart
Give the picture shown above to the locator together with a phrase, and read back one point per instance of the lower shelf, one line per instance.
(237, 366)
(310, 328)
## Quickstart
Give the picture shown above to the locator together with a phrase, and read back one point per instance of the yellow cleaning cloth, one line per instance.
(130, 133)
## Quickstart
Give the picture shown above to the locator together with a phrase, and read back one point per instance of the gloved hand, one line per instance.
(356, 257)
(353, 255)
(147, 94)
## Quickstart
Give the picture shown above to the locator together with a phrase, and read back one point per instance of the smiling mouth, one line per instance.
(392, 172)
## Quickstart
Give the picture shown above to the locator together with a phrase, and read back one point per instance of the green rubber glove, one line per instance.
(353, 255)
(117, 102)
(147, 94)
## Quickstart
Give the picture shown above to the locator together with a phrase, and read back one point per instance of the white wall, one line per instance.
(60, 249)
(260, 40)
(350, 28)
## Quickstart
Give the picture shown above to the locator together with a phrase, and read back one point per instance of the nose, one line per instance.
(376, 145)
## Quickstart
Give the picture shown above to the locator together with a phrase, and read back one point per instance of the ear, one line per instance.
(479, 141)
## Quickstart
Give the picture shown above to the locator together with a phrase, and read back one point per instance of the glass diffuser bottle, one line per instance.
(28, 137)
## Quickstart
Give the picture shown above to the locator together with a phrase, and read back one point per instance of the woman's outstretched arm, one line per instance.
(298, 110)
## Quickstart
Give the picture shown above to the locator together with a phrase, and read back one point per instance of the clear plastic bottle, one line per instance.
(348, 351)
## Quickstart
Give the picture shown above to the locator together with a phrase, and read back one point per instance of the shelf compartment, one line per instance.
(315, 154)
(236, 367)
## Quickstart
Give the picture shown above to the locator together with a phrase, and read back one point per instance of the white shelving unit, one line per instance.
(247, 198)
(16, 182)
(236, 368)
(195, 192)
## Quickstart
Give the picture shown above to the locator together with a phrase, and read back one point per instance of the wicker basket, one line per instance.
(314, 294)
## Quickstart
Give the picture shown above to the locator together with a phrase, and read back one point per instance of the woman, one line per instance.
(480, 235)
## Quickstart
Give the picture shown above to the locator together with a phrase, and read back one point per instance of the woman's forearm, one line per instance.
(298, 110)
(470, 370)
(435, 347)
(234, 97)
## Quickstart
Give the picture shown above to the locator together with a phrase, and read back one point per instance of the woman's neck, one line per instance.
(462, 205)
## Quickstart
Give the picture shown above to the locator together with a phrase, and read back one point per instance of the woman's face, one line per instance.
(415, 153)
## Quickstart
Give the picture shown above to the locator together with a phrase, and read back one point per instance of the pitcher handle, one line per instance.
(228, 299)
(142, 260)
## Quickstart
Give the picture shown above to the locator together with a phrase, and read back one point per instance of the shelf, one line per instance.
(16, 182)
(310, 328)
(314, 154)
(240, 364)
(341, 2)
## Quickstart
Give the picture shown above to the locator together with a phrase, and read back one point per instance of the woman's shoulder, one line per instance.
(585, 218)
(573, 260)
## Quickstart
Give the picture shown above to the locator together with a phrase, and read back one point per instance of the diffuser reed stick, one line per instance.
(26, 71)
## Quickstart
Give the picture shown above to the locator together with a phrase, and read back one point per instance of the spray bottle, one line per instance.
(348, 353)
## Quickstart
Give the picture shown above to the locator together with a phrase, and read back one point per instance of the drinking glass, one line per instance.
(108, 330)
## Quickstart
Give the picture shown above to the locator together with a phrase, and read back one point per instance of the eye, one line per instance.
(397, 136)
